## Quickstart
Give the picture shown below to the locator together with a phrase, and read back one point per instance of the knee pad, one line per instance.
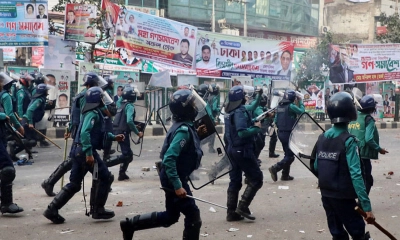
(73, 187)
(195, 220)
(7, 174)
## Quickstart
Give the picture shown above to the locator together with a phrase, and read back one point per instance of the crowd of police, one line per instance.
(96, 121)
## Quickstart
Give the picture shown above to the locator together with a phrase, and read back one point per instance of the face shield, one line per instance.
(102, 82)
(51, 92)
(14, 76)
(249, 91)
(5, 79)
(277, 96)
(27, 77)
(197, 102)
(107, 100)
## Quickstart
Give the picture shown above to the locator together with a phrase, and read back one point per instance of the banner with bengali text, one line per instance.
(364, 62)
(80, 22)
(220, 55)
(157, 38)
(9, 54)
(23, 23)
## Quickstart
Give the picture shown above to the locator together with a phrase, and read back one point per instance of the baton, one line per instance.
(41, 134)
(65, 157)
(195, 198)
(362, 213)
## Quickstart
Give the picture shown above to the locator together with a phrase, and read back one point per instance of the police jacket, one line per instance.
(241, 129)
(76, 112)
(36, 110)
(286, 115)
(365, 130)
(7, 106)
(124, 120)
(181, 152)
(23, 99)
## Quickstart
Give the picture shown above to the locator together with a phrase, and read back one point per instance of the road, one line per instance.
(293, 213)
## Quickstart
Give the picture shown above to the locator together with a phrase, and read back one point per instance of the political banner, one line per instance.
(83, 69)
(80, 22)
(60, 55)
(22, 70)
(123, 78)
(351, 63)
(37, 57)
(314, 97)
(220, 55)
(158, 39)
(23, 23)
(9, 54)
(112, 11)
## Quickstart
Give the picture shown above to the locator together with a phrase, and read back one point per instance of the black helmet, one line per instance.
(110, 82)
(93, 80)
(264, 100)
(39, 79)
(129, 93)
(236, 97)
(215, 89)
(93, 98)
(341, 108)
(202, 89)
(42, 90)
(182, 106)
(368, 104)
(290, 95)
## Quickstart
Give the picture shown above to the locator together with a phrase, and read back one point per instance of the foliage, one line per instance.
(314, 63)
(392, 24)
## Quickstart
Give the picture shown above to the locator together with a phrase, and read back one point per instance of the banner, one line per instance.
(364, 62)
(160, 79)
(79, 22)
(9, 54)
(83, 69)
(111, 15)
(60, 55)
(23, 23)
(314, 97)
(37, 57)
(61, 80)
(220, 55)
(156, 38)
(22, 70)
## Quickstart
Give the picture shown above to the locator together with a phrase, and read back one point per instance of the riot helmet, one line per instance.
(341, 108)
(39, 79)
(202, 89)
(91, 79)
(130, 94)
(185, 104)
(96, 97)
(6, 81)
(368, 104)
(264, 100)
(290, 95)
(42, 90)
(26, 80)
(236, 97)
(110, 82)
(214, 89)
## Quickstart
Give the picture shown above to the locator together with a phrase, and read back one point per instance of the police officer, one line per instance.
(286, 116)
(241, 151)
(7, 171)
(89, 138)
(339, 172)
(89, 80)
(24, 94)
(213, 100)
(112, 108)
(124, 124)
(203, 90)
(181, 155)
(365, 130)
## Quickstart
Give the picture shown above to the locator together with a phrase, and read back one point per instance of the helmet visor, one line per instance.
(5, 79)
(15, 76)
(197, 102)
(27, 77)
(249, 90)
(102, 82)
(107, 100)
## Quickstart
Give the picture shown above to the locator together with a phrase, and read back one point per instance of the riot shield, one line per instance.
(303, 138)
(215, 163)
(142, 118)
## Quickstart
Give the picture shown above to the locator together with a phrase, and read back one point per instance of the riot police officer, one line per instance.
(286, 116)
(7, 171)
(181, 155)
(124, 124)
(89, 80)
(241, 151)
(24, 94)
(339, 172)
(365, 130)
(89, 138)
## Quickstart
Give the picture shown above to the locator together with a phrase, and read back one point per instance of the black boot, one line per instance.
(272, 145)
(114, 161)
(101, 195)
(42, 140)
(58, 202)
(285, 174)
(122, 171)
(62, 169)
(244, 203)
(217, 168)
(139, 222)
(274, 172)
(192, 231)
(7, 205)
(11, 151)
(273, 155)
(232, 216)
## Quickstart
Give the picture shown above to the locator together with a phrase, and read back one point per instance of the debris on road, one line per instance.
(145, 169)
(301, 231)
(233, 229)
(120, 204)
(249, 236)
(321, 230)
(66, 231)
(204, 234)
(283, 187)
(212, 210)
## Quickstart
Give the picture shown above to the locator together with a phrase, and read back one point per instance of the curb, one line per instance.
(158, 130)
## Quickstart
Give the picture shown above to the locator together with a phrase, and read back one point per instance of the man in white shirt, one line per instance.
(286, 58)
(206, 56)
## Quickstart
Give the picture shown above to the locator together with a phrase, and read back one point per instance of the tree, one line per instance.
(314, 63)
(97, 22)
(392, 24)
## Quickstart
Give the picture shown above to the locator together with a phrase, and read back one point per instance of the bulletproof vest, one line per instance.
(76, 113)
(39, 111)
(120, 124)
(97, 134)
(190, 157)
(285, 121)
(112, 108)
(333, 172)
(235, 140)
(227, 137)
(27, 99)
(358, 129)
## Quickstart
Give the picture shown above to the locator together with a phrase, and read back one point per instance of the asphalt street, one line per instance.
(284, 210)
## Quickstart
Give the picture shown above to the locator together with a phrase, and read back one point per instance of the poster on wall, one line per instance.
(61, 80)
(83, 69)
(123, 78)
(220, 55)
(37, 57)
(352, 63)
(60, 55)
(80, 22)
(22, 70)
(9, 54)
(314, 97)
(23, 23)
(155, 38)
